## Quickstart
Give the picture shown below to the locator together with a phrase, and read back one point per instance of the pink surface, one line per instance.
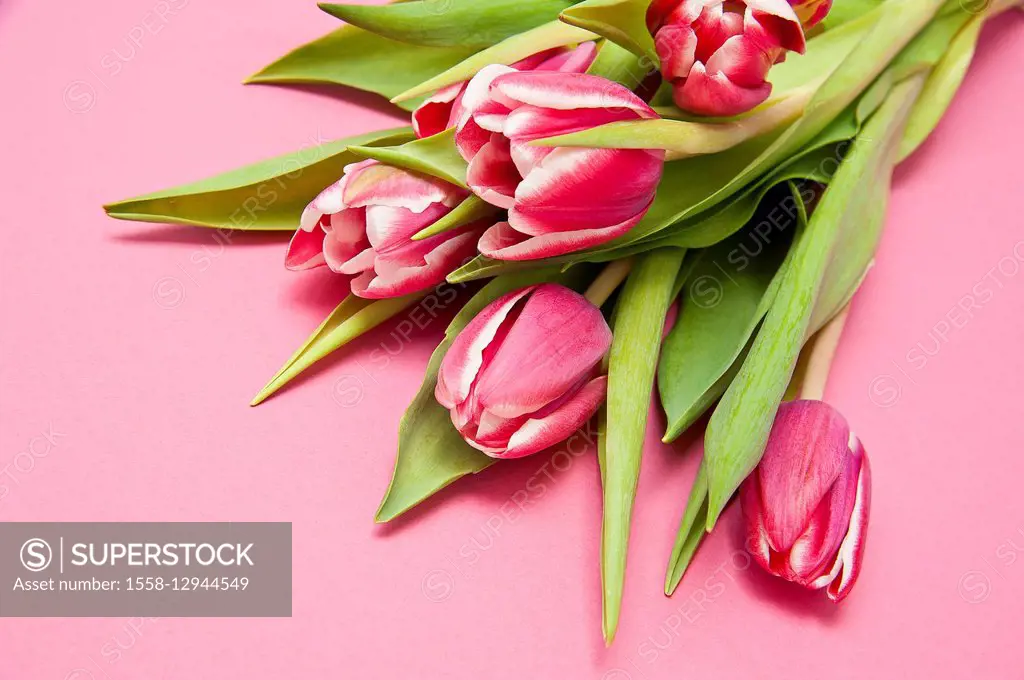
(136, 348)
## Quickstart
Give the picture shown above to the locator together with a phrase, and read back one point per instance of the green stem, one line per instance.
(606, 283)
(821, 354)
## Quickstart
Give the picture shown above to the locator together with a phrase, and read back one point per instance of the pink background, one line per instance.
(137, 348)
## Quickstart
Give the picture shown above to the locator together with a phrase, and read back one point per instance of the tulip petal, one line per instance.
(555, 90)
(579, 188)
(742, 61)
(757, 535)
(532, 122)
(464, 358)
(394, 277)
(806, 452)
(558, 338)
(389, 227)
(851, 552)
(716, 95)
(435, 114)
(576, 60)
(503, 242)
(306, 249)
(778, 21)
(385, 185)
(676, 46)
(539, 433)
(346, 237)
(492, 174)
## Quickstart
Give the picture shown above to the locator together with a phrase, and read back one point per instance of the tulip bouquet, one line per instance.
(591, 163)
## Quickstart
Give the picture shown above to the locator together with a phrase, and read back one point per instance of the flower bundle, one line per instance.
(594, 162)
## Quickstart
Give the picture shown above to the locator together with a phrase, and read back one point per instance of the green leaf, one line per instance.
(352, 57)
(352, 318)
(508, 51)
(470, 210)
(431, 453)
(739, 428)
(436, 156)
(684, 139)
(942, 83)
(266, 196)
(621, 21)
(619, 64)
(722, 305)
(691, 531)
(448, 23)
(844, 11)
(639, 318)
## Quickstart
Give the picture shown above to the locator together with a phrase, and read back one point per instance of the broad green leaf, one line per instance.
(739, 427)
(691, 531)
(470, 210)
(352, 318)
(356, 58)
(431, 453)
(621, 21)
(639, 318)
(942, 83)
(693, 525)
(721, 307)
(266, 196)
(448, 23)
(436, 156)
(508, 51)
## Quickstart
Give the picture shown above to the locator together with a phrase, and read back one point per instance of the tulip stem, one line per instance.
(822, 352)
(610, 278)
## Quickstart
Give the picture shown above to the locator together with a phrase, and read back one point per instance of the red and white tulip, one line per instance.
(442, 110)
(806, 505)
(362, 225)
(717, 55)
(524, 374)
(559, 199)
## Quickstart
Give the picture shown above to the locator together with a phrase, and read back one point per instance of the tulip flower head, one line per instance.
(717, 54)
(559, 199)
(806, 505)
(523, 375)
(442, 110)
(362, 225)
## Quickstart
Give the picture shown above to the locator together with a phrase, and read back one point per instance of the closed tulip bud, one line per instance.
(806, 505)
(717, 55)
(524, 374)
(362, 225)
(559, 199)
(442, 110)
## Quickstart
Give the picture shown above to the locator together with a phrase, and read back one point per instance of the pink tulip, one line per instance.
(441, 111)
(523, 375)
(806, 505)
(717, 54)
(560, 199)
(362, 226)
